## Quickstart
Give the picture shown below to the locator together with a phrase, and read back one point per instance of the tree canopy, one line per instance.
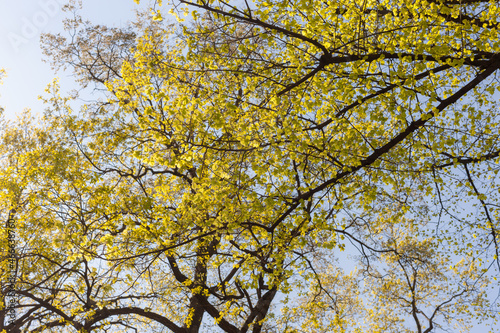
(266, 166)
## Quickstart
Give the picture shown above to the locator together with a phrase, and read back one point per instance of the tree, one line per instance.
(234, 157)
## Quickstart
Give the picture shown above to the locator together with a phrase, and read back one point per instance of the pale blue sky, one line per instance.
(21, 23)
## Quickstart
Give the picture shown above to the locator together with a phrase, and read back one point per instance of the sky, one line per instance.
(21, 23)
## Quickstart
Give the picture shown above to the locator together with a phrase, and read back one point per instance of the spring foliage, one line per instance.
(237, 155)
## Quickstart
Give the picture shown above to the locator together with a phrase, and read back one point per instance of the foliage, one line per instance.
(234, 157)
